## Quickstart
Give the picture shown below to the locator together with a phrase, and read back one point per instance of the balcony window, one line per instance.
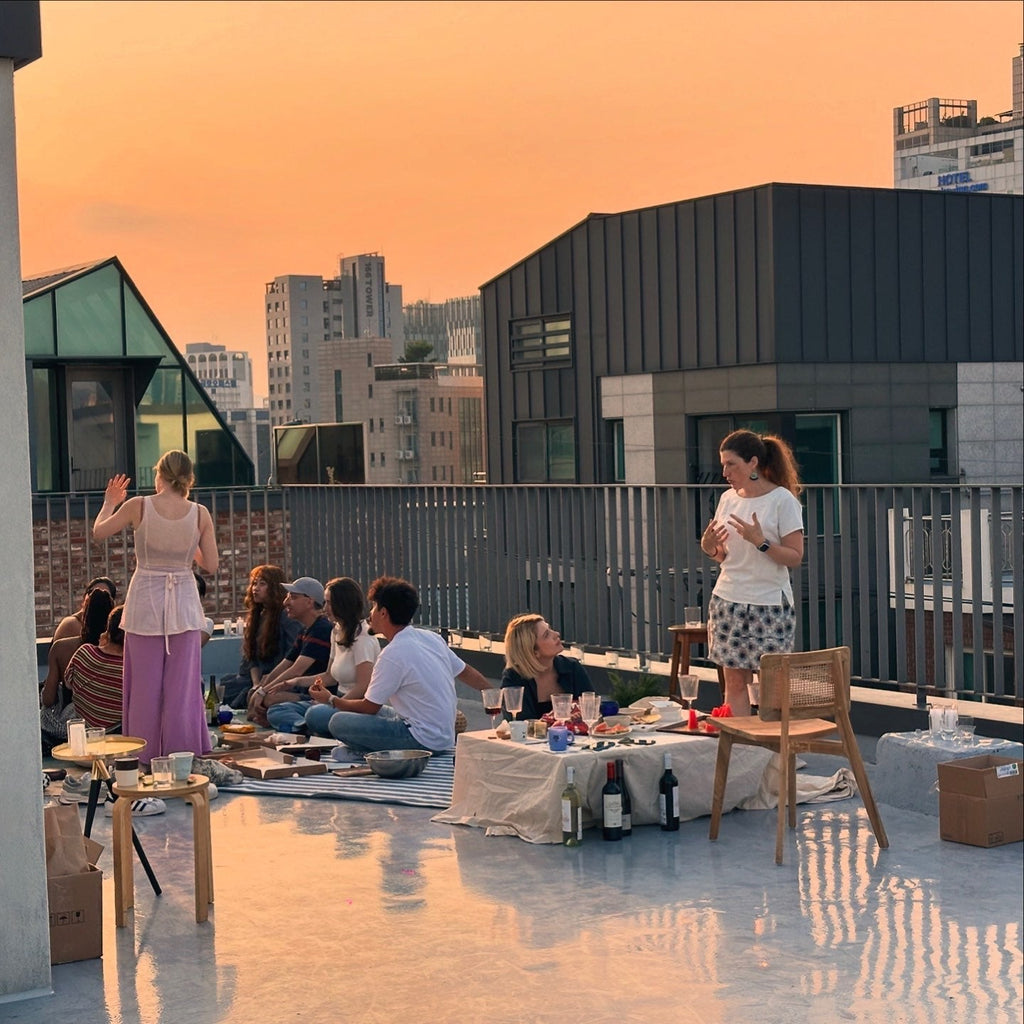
(545, 452)
(541, 342)
(938, 442)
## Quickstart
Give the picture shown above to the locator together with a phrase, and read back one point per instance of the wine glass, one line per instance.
(590, 710)
(561, 706)
(492, 704)
(689, 686)
(513, 700)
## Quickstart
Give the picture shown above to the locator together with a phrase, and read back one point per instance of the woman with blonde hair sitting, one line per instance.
(534, 661)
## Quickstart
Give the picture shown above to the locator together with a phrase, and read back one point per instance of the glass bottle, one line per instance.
(627, 804)
(611, 806)
(211, 702)
(572, 818)
(668, 798)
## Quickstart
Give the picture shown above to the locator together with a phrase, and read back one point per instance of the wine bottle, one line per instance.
(611, 804)
(211, 702)
(572, 819)
(668, 798)
(627, 804)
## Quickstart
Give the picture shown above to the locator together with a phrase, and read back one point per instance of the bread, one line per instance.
(238, 729)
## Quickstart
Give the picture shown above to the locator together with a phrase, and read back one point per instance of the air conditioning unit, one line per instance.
(400, 454)
(402, 420)
(409, 453)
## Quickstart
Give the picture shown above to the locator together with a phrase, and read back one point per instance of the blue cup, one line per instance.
(558, 737)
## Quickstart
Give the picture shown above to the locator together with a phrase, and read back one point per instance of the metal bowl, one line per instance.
(398, 764)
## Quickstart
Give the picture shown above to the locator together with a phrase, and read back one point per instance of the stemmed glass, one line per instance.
(492, 704)
(590, 710)
(513, 700)
(689, 686)
(561, 706)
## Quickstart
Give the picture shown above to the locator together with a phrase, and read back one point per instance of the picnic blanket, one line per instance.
(432, 788)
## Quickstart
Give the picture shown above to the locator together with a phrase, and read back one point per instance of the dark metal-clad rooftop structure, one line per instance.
(755, 306)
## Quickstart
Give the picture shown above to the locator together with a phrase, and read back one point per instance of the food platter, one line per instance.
(610, 732)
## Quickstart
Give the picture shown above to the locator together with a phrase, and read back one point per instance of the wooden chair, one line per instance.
(798, 693)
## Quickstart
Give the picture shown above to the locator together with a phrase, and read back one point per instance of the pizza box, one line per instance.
(268, 763)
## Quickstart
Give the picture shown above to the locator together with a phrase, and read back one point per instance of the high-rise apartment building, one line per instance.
(451, 327)
(332, 357)
(943, 145)
(225, 375)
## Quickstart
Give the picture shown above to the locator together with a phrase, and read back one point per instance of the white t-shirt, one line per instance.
(749, 576)
(344, 660)
(416, 673)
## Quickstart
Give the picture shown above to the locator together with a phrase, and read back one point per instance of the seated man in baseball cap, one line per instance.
(308, 656)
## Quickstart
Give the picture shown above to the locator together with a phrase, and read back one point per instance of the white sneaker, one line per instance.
(212, 792)
(143, 807)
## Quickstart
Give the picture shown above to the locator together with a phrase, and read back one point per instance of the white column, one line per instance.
(24, 936)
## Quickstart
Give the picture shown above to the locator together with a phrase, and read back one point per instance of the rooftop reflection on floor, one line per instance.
(329, 910)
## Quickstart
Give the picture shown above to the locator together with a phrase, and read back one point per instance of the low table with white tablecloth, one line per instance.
(515, 788)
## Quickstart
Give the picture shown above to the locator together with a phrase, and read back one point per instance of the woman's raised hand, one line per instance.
(117, 489)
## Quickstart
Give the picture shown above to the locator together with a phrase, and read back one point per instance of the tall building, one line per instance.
(332, 351)
(452, 327)
(943, 145)
(226, 376)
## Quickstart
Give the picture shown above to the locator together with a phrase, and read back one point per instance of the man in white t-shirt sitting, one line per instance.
(415, 674)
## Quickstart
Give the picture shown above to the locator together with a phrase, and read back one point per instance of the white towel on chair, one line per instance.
(810, 789)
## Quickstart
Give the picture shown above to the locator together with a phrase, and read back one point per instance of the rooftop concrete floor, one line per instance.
(352, 912)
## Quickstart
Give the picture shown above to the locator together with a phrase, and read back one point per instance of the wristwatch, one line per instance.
(763, 547)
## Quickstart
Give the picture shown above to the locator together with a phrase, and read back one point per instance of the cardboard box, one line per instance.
(74, 887)
(76, 916)
(981, 800)
(268, 763)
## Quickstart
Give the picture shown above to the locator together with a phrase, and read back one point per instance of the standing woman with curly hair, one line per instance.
(757, 536)
(163, 614)
(267, 636)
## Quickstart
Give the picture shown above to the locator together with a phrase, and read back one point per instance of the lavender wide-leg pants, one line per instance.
(163, 694)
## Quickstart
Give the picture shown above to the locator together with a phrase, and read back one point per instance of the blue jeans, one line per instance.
(382, 731)
(318, 719)
(285, 717)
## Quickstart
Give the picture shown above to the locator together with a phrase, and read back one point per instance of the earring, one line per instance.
(753, 476)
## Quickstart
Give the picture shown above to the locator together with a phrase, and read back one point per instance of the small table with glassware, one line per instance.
(194, 791)
(514, 788)
(97, 753)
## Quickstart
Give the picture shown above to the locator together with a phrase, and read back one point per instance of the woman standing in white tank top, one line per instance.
(163, 615)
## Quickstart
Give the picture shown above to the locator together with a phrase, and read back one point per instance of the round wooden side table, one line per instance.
(195, 792)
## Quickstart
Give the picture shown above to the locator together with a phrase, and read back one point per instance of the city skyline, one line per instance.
(213, 146)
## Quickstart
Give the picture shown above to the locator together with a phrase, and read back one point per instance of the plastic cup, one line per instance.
(162, 773)
(965, 730)
(77, 740)
(692, 615)
(93, 736)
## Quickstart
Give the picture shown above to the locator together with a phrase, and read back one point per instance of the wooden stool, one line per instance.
(195, 792)
(685, 637)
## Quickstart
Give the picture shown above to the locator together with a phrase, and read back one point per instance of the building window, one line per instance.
(369, 391)
(938, 442)
(369, 359)
(373, 458)
(382, 460)
(545, 452)
(433, 439)
(616, 451)
(371, 424)
(540, 341)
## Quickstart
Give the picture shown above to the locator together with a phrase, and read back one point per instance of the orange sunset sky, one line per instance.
(213, 146)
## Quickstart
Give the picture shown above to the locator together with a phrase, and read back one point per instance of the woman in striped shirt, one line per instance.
(94, 676)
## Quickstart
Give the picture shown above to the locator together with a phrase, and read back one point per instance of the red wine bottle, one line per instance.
(627, 804)
(668, 798)
(611, 804)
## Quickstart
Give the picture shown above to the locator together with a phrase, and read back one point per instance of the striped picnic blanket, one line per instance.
(432, 788)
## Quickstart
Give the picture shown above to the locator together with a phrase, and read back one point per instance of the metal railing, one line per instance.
(614, 566)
